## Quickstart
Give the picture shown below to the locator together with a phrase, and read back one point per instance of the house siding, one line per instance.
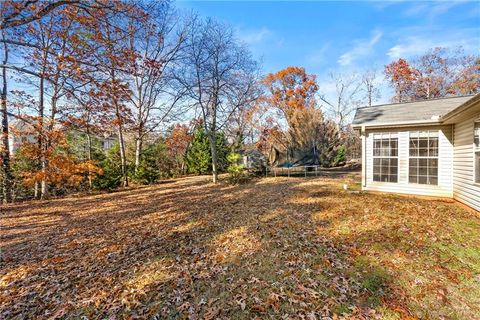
(445, 164)
(464, 188)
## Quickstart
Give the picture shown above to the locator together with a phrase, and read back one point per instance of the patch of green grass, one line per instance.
(388, 314)
(340, 309)
(375, 281)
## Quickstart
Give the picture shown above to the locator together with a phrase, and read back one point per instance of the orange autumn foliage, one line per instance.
(62, 168)
(178, 140)
(289, 90)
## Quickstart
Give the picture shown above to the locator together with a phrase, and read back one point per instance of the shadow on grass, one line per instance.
(192, 249)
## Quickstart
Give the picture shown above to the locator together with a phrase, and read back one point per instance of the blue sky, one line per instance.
(345, 36)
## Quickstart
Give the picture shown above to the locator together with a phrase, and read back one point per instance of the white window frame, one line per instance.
(476, 149)
(382, 136)
(428, 134)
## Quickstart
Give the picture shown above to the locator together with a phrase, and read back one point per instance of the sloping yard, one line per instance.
(298, 248)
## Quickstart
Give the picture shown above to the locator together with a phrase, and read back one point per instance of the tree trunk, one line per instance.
(138, 151)
(121, 141)
(123, 157)
(213, 149)
(44, 184)
(5, 154)
(35, 190)
(89, 155)
(41, 142)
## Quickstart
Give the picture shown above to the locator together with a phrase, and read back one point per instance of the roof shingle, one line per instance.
(405, 113)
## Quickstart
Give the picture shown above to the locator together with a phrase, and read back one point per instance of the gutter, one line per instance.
(399, 124)
(440, 120)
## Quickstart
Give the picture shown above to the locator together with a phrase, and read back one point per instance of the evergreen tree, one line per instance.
(153, 164)
(199, 159)
(112, 172)
(222, 152)
(198, 154)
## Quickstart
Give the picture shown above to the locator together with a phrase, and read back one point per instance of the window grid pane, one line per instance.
(385, 161)
(423, 162)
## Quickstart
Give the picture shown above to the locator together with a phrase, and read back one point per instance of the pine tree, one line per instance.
(199, 159)
(198, 154)
(152, 165)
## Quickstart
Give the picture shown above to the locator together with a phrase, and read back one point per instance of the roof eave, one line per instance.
(398, 124)
(461, 111)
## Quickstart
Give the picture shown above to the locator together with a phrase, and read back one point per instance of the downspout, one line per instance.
(364, 157)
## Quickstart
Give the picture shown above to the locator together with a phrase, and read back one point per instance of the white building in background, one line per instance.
(21, 132)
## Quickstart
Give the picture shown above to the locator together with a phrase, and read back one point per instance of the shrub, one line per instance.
(340, 156)
(235, 169)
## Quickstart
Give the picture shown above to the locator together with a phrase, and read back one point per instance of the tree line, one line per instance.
(175, 92)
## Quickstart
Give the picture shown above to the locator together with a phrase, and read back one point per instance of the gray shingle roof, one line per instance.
(405, 113)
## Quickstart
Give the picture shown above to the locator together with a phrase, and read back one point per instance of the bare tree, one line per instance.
(370, 86)
(20, 13)
(157, 42)
(345, 99)
(5, 147)
(216, 76)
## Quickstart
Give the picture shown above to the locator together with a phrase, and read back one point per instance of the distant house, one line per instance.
(21, 132)
(424, 148)
(253, 159)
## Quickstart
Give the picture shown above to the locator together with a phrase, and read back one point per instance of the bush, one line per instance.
(236, 170)
(340, 157)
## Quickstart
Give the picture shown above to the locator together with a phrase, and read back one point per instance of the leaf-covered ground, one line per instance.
(276, 248)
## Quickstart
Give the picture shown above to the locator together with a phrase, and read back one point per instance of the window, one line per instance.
(423, 162)
(385, 157)
(476, 139)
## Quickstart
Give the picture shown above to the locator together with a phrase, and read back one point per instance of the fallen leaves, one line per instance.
(276, 248)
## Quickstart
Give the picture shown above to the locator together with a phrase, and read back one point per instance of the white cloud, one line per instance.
(432, 9)
(252, 37)
(416, 9)
(417, 45)
(360, 49)
(318, 57)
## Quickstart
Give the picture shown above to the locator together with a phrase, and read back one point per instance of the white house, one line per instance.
(21, 132)
(424, 148)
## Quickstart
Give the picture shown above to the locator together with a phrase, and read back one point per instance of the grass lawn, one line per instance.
(292, 248)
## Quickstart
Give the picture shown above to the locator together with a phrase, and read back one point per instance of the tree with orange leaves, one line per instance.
(177, 142)
(438, 73)
(402, 77)
(289, 90)
(63, 169)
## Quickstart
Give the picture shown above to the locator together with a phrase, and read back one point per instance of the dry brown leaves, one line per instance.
(275, 248)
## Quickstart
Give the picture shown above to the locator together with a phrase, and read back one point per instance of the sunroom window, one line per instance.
(423, 160)
(476, 139)
(385, 157)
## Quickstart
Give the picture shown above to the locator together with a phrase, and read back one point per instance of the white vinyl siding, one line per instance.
(445, 163)
(464, 187)
(476, 147)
